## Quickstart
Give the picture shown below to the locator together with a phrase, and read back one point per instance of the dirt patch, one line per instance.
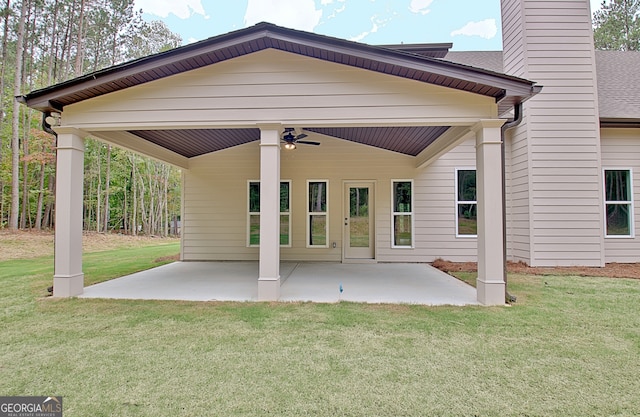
(33, 244)
(611, 270)
(171, 258)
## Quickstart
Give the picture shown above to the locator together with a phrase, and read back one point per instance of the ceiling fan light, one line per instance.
(290, 146)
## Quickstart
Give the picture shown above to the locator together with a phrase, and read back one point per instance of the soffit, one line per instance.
(195, 142)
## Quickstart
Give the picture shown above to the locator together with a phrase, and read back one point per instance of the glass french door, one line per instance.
(359, 221)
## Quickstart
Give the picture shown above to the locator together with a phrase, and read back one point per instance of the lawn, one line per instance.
(570, 346)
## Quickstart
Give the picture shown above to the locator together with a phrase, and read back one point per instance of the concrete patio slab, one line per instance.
(303, 281)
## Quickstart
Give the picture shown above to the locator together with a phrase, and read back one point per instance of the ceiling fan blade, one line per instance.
(301, 136)
(306, 142)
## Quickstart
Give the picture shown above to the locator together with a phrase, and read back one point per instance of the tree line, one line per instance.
(44, 42)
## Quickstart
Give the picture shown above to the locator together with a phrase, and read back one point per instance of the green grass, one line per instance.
(569, 347)
(467, 226)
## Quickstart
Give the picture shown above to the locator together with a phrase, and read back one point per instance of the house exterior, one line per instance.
(419, 158)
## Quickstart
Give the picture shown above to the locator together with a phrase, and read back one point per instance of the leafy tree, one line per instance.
(616, 26)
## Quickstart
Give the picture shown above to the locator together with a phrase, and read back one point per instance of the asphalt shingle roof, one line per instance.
(618, 77)
(618, 84)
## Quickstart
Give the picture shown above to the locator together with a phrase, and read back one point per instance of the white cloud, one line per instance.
(337, 11)
(420, 6)
(486, 29)
(162, 8)
(295, 14)
(376, 24)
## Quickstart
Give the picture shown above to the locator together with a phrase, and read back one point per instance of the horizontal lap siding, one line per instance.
(215, 208)
(435, 218)
(271, 86)
(621, 150)
(219, 181)
(559, 165)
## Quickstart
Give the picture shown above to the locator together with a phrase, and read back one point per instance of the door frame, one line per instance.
(372, 185)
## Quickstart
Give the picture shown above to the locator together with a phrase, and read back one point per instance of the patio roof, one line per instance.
(506, 89)
(419, 62)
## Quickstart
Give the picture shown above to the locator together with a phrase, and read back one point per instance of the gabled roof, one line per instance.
(407, 63)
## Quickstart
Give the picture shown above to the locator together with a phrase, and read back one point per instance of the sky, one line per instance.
(468, 24)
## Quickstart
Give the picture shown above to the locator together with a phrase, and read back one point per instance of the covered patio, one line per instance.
(301, 282)
(222, 109)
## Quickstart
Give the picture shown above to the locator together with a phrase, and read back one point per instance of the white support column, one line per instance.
(68, 279)
(490, 284)
(269, 275)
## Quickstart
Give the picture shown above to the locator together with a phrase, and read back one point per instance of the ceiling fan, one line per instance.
(289, 138)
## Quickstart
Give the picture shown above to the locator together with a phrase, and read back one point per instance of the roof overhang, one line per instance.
(418, 62)
(505, 89)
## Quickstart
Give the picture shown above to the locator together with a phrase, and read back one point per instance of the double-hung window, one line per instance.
(317, 215)
(254, 213)
(466, 203)
(402, 196)
(618, 195)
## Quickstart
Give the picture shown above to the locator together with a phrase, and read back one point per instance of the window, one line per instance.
(254, 213)
(466, 204)
(618, 192)
(402, 195)
(317, 222)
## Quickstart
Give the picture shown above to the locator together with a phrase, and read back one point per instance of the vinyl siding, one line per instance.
(215, 201)
(556, 208)
(621, 150)
(272, 85)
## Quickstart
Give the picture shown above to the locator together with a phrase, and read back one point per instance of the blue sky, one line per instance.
(468, 24)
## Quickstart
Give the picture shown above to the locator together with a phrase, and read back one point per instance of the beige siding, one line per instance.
(556, 207)
(621, 150)
(513, 33)
(215, 210)
(272, 86)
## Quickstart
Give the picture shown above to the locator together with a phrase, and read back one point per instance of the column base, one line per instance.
(68, 285)
(268, 289)
(491, 293)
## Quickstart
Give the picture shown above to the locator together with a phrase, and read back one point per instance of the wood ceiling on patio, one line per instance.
(195, 142)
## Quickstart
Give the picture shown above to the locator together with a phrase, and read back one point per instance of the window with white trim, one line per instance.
(254, 213)
(618, 196)
(317, 214)
(466, 203)
(402, 214)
